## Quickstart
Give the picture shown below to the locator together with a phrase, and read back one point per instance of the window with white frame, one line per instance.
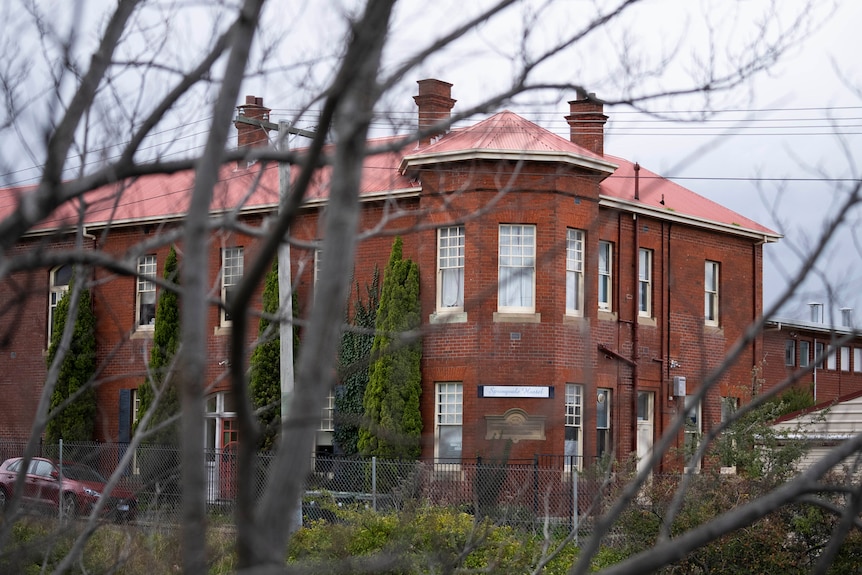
(517, 268)
(606, 253)
(58, 281)
(832, 358)
(448, 422)
(845, 358)
(574, 272)
(645, 282)
(450, 269)
(692, 429)
(790, 352)
(318, 264)
(603, 422)
(710, 302)
(804, 353)
(231, 274)
(857, 359)
(573, 420)
(818, 354)
(145, 293)
(327, 414)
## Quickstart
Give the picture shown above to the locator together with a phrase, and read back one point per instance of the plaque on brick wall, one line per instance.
(515, 425)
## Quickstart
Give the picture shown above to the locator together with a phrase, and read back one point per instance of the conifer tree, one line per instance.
(265, 363)
(76, 421)
(166, 335)
(353, 368)
(393, 422)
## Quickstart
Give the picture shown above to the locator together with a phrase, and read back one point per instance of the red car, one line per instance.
(78, 489)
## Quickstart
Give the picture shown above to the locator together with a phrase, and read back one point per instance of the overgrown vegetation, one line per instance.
(75, 421)
(353, 361)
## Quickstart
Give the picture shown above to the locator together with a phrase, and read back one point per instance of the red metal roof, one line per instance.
(505, 134)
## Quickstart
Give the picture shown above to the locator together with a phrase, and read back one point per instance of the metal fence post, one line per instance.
(535, 486)
(575, 503)
(374, 483)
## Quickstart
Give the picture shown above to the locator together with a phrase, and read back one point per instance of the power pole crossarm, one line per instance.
(270, 126)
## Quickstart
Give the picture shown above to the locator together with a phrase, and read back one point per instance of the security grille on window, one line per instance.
(789, 352)
(232, 268)
(448, 421)
(450, 269)
(603, 422)
(59, 279)
(645, 282)
(146, 293)
(574, 412)
(710, 302)
(517, 268)
(605, 287)
(574, 272)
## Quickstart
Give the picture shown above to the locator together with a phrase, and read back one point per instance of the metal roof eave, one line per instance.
(420, 160)
(176, 217)
(669, 215)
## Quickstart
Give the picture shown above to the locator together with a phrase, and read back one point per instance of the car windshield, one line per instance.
(82, 473)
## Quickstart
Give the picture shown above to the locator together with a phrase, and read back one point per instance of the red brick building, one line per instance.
(792, 348)
(570, 298)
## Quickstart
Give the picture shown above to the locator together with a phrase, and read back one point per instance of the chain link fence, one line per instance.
(527, 493)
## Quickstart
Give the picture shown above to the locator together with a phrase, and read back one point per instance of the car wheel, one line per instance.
(70, 506)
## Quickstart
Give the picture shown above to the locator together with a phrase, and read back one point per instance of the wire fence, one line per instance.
(528, 493)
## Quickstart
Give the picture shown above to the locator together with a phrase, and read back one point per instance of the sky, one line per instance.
(777, 149)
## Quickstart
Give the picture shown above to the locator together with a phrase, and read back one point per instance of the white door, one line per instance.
(646, 425)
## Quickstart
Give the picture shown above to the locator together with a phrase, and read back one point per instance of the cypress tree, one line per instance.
(265, 363)
(393, 423)
(353, 369)
(76, 421)
(166, 335)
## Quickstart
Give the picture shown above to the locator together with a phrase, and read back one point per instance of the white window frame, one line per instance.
(605, 276)
(145, 289)
(819, 352)
(831, 357)
(448, 415)
(450, 269)
(711, 293)
(857, 360)
(845, 358)
(645, 257)
(232, 265)
(574, 425)
(56, 291)
(790, 352)
(804, 353)
(574, 272)
(603, 428)
(516, 268)
(327, 414)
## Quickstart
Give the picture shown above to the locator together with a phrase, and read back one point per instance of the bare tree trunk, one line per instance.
(191, 363)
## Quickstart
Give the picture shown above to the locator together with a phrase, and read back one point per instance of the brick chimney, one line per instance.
(249, 135)
(587, 122)
(435, 104)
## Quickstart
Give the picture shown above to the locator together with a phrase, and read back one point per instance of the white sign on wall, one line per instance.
(536, 391)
